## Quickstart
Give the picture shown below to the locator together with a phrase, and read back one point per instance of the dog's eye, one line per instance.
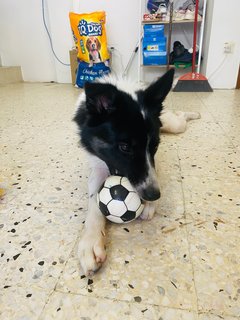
(125, 148)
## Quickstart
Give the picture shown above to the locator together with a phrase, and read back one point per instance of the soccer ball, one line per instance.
(118, 200)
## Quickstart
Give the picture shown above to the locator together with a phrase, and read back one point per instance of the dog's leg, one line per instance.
(149, 210)
(91, 249)
(176, 122)
(188, 115)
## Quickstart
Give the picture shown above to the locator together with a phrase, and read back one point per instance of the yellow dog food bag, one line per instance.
(90, 36)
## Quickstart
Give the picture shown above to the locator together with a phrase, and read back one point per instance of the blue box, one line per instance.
(154, 51)
(151, 38)
(154, 30)
(155, 41)
(154, 58)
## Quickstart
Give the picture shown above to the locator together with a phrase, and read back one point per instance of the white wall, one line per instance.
(23, 39)
(223, 26)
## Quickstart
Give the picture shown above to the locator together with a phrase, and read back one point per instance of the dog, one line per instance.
(120, 129)
(93, 46)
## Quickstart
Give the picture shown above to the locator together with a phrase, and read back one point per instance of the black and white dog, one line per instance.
(120, 128)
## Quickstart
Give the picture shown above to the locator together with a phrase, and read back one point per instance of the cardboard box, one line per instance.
(73, 64)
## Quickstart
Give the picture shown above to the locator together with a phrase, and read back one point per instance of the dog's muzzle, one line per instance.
(150, 194)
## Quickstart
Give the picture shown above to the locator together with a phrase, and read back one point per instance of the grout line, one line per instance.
(188, 242)
(217, 122)
(127, 302)
(52, 291)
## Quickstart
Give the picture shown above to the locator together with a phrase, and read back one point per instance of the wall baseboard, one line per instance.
(10, 75)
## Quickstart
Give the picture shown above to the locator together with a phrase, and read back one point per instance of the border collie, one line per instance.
(120, 128)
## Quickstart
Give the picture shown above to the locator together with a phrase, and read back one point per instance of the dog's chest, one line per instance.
(95, 54)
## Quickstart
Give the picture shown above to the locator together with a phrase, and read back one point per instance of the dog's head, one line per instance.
(93, 44)
(123, 130)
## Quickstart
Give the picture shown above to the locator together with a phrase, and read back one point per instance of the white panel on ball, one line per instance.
(139, 210)
(112, 181)
(105, 196)
(117, 208)
(132, 201)
(115, 219)
(126, 183)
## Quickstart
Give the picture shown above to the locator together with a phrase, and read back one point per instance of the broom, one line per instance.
(193, 81)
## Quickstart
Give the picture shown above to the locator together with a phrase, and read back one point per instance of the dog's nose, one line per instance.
(151, 194)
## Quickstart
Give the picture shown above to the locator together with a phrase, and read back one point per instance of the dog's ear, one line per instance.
(88, 44)
(100, 98)
(98, 44)
(155, 94)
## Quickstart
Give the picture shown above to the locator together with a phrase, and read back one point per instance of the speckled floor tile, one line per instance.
(176, 103)
(232, 129)
(182, 99)
(182, 265)
(224, 113)
(224, 98)
(210, 316)
(56, 193)
(215, 256)
(47, 181)
(212, 199)
(165, 277)
(171, 203)
(170, 182)
(210, 163)
(206, 135)
(166, 164)
(68, 306)
(18, 303)
(35, 243)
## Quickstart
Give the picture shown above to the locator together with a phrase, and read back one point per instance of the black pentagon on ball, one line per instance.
(118, 192)
(128, 216)
(104, 209)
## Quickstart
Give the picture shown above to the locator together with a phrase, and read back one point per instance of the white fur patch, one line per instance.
(80, 100)
(121, 84)
(151, 179)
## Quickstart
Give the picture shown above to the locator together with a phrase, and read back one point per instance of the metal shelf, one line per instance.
(167, 22)
(163, 66)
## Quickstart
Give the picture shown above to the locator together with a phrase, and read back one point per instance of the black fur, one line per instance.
(121, 131)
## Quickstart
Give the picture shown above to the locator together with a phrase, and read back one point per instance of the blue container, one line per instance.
(154, 51)
(154, 30)
(156, 42)
(152, 38)
(154, 58)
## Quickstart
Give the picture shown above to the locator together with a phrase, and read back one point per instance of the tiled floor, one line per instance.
(182, 265)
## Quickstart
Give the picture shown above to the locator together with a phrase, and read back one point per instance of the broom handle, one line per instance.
(169, 35)
(195, 37)
(201, 36)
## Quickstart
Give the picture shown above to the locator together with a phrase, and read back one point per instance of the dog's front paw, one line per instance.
(148, 211)
(91, 252)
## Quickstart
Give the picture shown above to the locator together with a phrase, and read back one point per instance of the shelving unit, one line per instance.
(162, 22)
